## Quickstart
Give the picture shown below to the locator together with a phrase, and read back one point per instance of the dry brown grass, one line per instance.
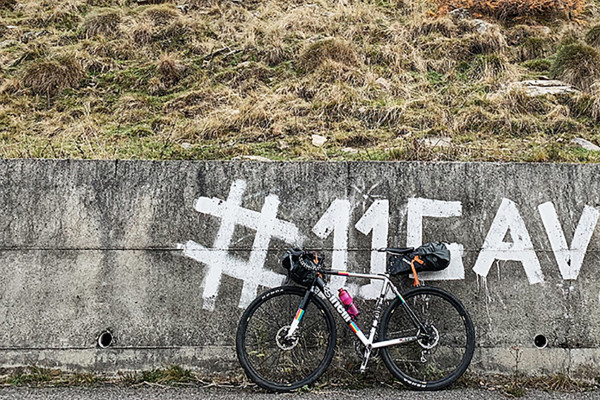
(104, 23)
(7, 3)
(506, 9)
(51, 76)
(141, 33)
(331, 49)
(592, 36)
(577, 64)
(260, 77)
(170, 68)
(161, 14)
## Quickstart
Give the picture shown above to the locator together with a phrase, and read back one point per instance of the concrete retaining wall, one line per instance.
(166, 255)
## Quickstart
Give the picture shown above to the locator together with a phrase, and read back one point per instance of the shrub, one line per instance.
(50, 77)
(505, 9)
(577, 64)
(105, 22)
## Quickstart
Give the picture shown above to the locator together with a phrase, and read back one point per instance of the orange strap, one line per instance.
(412, 265)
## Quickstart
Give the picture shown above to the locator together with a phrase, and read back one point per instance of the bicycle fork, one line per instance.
(299, 314)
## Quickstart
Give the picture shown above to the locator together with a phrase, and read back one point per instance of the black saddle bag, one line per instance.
(435, 257)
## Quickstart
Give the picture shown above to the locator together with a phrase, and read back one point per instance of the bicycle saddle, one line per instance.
(393, 250)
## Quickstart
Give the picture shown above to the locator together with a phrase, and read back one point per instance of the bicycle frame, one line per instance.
(368, 342)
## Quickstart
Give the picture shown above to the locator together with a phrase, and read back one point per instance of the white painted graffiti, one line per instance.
(521, 249)
(219, 261)
(569, 259)
(508, 219)
(336, 222)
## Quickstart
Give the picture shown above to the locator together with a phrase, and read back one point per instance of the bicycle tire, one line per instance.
(260, 338)
(428, 364)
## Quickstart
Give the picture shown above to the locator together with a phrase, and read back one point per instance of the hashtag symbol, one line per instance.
(220, 262)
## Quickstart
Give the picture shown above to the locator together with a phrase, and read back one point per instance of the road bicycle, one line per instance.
(287, 336)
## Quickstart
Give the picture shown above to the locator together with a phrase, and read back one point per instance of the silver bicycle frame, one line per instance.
(368, 342)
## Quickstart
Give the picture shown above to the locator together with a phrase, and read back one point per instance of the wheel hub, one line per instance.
(283, 342)
(432, 339)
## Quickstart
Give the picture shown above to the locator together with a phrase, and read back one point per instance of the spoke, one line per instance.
(267, 319)
(275, 364)
(264, 320)
(440, 317)
(265, 359)
(309, 327)
(278, 359)
(293, 366)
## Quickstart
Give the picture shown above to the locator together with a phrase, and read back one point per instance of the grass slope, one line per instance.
(218, 79)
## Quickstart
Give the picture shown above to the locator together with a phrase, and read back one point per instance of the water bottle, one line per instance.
(348, 302)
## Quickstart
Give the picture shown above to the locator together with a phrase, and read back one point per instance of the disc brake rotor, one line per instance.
(283, 342)
(432, 340)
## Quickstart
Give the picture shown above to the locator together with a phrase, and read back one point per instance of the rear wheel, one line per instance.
(446, 344)
(270, 359)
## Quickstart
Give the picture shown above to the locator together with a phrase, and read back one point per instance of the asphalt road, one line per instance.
(185, 393)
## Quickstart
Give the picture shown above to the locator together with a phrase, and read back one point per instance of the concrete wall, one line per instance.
(167, 254)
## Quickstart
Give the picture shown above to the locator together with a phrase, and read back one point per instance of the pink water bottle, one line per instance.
(348, 302)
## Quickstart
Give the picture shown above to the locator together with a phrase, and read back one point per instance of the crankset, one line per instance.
(360, 352)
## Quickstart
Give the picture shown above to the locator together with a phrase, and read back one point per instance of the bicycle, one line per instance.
(287, 336)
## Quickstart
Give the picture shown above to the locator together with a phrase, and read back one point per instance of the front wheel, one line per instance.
(446, 338)
(272, 360)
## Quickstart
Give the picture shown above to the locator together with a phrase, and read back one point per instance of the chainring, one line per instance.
(359, 348)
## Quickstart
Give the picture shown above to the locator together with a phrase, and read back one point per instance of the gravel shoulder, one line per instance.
(110, 392)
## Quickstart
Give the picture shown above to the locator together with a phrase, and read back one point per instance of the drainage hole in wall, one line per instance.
(540, 341)
(105, 339)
